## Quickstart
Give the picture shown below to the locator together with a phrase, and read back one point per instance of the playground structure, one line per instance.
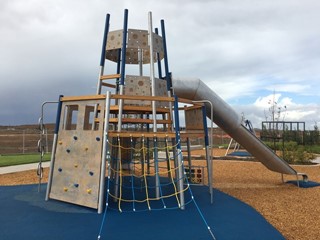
(120, 134)
(276, 131)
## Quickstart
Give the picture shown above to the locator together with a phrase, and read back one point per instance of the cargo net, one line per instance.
(145, 175)
(139, 179)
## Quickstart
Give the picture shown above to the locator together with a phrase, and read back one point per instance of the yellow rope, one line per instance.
(122, 174)
(144, 175)
(174, 186)
(148, 174)
(143, 148)
(149, 199)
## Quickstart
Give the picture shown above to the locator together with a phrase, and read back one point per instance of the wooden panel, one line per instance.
(139, 120)
(83, 98)
(108, 85)
(111, 76)
(135, 109)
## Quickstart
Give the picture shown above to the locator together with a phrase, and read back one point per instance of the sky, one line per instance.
(253, 54)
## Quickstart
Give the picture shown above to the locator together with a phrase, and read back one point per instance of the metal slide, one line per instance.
(228, 120)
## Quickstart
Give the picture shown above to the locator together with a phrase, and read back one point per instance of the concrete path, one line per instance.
(22, 167)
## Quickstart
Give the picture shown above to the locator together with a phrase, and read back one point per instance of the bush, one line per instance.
(292, 153)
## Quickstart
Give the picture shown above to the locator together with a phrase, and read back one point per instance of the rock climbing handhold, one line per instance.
(75, 137)
(98, 139)
(76, 185)
(89, 190)
(60, 169)
(65, 189)
(68, 150)
(91, 173)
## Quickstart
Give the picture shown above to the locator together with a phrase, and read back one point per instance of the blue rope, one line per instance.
(195, 203)
(133, 203)
(105, 210)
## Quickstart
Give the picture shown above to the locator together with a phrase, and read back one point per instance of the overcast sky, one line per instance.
(249, 52)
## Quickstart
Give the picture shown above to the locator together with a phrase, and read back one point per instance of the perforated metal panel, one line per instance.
(194, 119)
(137, 86)
(161, 90)
(137, 40)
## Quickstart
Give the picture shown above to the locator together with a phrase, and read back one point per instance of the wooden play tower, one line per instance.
(128, 133)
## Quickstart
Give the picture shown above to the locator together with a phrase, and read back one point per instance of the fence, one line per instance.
(23, 139)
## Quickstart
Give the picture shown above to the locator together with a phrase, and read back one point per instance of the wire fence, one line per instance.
(23, 139)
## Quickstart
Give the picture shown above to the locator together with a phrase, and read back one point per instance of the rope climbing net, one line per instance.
(138, 179)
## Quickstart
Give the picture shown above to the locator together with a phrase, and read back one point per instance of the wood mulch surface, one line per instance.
(294, 211)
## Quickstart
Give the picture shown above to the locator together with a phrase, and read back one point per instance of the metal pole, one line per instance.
(180, 174)
(105, 149)
(23, 139)
(123, 67)
(140, 60)
(153, 93)
(40, 143)
(210, 165)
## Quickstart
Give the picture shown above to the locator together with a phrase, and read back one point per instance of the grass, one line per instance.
(10, 160)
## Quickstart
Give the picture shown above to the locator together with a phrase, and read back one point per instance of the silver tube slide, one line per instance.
(228, 120)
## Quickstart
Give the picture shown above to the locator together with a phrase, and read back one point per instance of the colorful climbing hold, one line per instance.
(76, 185)
(60, 142)
(89, 190)
(60, 169)
(91, 173)
(75, 137)
(98, 139)
(86, 149)
(68, 150)
(75, 165)
(65, 189)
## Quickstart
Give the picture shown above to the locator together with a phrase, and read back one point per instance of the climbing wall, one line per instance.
(76, 173)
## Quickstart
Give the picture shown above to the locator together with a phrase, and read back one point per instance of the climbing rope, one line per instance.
(127, 180)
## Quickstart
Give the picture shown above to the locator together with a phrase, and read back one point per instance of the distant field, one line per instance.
(23, 139)
(10, 160)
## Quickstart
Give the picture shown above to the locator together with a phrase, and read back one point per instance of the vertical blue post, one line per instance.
(56, 129)
(166, 64)
(53, 153)
(205, 127)
(206, 141)
(104, 42)
(124, 46)
(118, 70)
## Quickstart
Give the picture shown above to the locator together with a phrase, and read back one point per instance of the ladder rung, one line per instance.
(139, 120)
(108, 85)
(109, 76)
